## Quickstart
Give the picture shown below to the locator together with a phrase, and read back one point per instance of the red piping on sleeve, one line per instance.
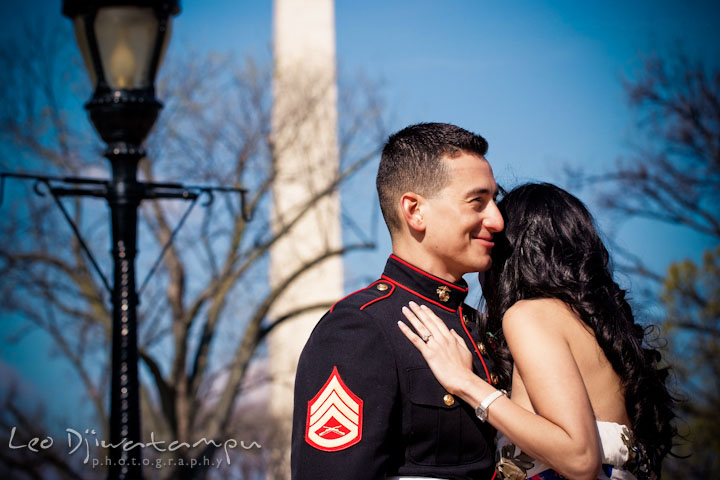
(353, 293)
(392, 289)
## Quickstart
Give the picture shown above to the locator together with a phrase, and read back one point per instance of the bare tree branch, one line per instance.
(201, 137)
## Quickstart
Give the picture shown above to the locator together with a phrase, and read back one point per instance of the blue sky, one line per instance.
(540, 80)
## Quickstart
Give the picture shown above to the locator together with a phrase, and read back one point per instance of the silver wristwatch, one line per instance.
(482, 410)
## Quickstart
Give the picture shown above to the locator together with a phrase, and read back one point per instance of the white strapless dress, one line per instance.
(621, 460)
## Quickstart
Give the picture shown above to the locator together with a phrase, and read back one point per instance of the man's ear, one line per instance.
(412, 207)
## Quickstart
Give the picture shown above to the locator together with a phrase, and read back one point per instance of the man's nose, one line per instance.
(494, 221)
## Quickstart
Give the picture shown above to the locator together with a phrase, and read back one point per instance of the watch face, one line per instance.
(481, 413)
(481, 410)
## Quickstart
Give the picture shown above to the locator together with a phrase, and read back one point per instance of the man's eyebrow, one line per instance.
(481, 192)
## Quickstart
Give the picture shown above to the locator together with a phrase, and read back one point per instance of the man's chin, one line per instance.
(483, 266)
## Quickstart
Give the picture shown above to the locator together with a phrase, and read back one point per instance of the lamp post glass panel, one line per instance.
(122, 43)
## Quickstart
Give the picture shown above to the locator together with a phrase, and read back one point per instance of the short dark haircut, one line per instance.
(412, 161)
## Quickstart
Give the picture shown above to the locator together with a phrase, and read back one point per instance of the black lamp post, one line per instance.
(122, 43)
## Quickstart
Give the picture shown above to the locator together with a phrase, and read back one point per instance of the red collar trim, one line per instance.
(429, 275)
(394, 282)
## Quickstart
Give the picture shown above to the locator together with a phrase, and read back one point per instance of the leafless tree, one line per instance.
(205, 313)
(673, 176)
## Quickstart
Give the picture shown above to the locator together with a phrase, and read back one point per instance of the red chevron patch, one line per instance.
(334, 416)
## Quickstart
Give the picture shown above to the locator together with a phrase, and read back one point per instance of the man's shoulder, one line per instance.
(352, 325)
(378, 293)
(358, 312)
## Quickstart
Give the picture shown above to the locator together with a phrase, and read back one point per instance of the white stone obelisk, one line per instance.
(305, 144)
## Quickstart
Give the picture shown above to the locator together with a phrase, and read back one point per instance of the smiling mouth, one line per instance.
(485, 242)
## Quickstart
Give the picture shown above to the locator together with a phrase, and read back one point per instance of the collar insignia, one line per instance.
(443, 293)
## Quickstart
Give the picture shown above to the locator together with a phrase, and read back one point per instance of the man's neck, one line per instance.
(423, 260)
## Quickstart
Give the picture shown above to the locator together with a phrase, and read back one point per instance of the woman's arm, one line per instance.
(563, 433)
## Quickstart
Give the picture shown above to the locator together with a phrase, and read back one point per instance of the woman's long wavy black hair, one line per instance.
(550, 249)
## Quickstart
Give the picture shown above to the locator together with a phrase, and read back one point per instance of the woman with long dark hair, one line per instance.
(588, 396)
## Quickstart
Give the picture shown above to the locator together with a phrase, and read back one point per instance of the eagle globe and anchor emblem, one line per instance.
(443, 293)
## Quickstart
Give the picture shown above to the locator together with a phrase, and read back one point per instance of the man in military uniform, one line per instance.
(366, 404)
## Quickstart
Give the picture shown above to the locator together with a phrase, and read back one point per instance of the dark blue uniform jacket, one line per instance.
(366, 404)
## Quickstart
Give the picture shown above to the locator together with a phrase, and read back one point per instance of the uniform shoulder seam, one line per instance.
(392, 288)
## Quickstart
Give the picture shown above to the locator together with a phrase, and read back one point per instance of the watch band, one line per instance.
(482, 410)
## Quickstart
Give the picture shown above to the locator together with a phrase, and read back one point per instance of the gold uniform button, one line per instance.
(493, 378)
(382, 286)
(449, 400)
(481, 348)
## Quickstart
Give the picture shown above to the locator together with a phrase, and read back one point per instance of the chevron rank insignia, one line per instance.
(334, 416)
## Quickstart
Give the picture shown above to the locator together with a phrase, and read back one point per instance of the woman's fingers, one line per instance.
(412, 336)
(431, 321)
(417, 324)
(444, 350)
(431, 331)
